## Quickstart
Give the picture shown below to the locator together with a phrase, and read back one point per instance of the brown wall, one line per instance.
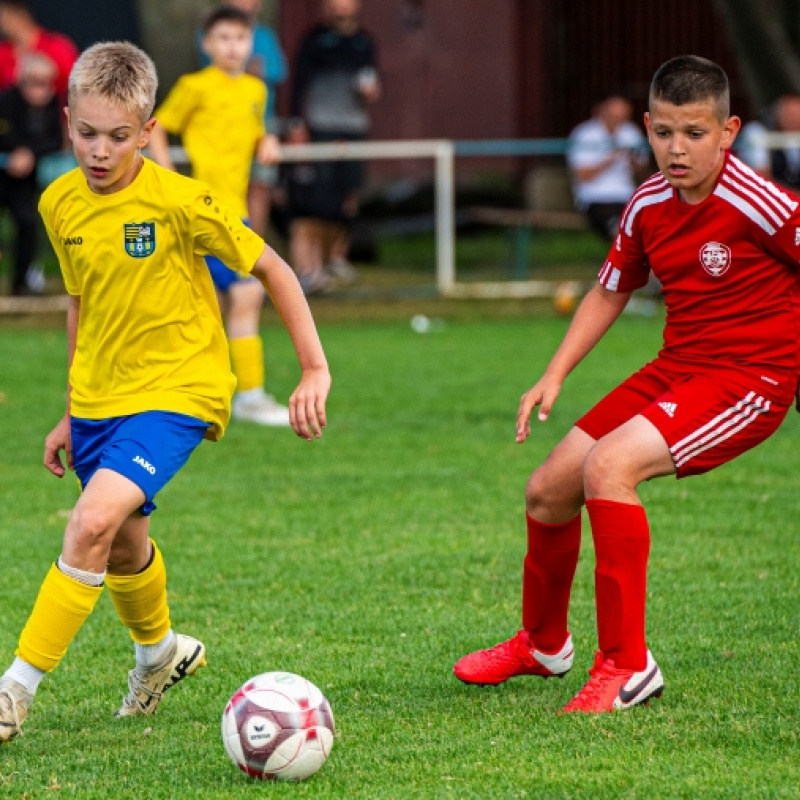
(498, 69)
(452, 76)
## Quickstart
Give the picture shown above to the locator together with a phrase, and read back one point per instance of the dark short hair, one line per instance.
(224, 13)
(19, 5)
(692, 79)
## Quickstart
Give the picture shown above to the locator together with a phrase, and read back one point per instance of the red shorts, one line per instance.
(705, 421)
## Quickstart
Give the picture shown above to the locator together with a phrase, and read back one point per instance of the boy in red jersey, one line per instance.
(724, 243)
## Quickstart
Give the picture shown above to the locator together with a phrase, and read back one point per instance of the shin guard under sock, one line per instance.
(622, 546)
(547, 574)
(62, 606)
(141, 600)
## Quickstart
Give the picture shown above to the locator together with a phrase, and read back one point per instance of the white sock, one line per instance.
(87, 578)
(251, 394)
(153, 655)
(25, 674)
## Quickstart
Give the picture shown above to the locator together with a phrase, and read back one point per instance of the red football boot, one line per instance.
(517, 656)
(612, 689)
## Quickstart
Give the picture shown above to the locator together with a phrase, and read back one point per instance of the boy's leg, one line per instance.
(624, 672)
(68, 593)
(543, 646)
(136, 574)
(140, 599)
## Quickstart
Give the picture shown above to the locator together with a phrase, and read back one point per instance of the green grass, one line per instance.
(488, 253)
(371, 560)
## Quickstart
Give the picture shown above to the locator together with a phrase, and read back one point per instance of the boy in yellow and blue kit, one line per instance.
(149, 371)
(219, 114)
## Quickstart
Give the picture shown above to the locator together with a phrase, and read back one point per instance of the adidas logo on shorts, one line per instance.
(669, 408)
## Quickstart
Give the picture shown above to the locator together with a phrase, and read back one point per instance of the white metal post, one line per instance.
(445, 219)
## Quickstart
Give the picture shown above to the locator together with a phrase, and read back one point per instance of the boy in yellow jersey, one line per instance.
(219, 114)
(149, 374)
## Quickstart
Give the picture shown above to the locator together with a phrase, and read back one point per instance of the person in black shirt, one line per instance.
(335, 80)
(30, 128)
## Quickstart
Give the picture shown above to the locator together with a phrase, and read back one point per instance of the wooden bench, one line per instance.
(521, 223)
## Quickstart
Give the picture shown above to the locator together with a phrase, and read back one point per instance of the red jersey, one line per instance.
(729, 271)
(59, 48)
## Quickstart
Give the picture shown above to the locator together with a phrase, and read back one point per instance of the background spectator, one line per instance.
(24, 35)
(335, 80)
(30, 128)
(778, 164)
(268, 63)
(606, 156)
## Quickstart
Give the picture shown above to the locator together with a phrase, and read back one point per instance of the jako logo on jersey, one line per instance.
(140, 238)
(144, 464)
(669, 408)
(68, 240)
(715, 258)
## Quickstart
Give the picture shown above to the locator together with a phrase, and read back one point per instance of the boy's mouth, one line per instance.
(99, 172)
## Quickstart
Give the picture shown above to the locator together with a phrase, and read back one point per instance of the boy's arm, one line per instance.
(59, 438)
(307, 402)
(594, 317)
(158, 148)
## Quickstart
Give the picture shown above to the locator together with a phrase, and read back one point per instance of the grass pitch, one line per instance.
(371, 560)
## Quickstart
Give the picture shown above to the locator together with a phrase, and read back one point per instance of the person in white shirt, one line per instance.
(606, 156)
(781, 164)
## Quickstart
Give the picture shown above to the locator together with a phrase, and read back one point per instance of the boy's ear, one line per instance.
(730, 129)
(147, 129)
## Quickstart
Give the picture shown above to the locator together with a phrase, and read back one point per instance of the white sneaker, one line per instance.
(342, 270)
(259, 407)
(15, 700)
(147, 687)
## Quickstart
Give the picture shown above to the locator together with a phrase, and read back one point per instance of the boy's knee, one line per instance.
(600, 467)
(541, 490)
(90, 525)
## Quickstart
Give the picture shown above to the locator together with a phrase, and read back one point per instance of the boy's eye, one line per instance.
(86, 134)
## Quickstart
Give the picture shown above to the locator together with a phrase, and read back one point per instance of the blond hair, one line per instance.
(119, 72)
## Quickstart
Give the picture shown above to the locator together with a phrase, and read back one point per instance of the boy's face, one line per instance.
(106, 140)
(38, 86)
(688, 142)
(229, 44)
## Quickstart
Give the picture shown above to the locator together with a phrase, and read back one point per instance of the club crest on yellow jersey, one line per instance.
(140, 239)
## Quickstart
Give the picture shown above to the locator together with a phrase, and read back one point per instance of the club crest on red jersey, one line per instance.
(715, 258)
(140, 239)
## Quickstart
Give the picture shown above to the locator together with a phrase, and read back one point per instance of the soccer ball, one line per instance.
(278, 726)
(566, 297)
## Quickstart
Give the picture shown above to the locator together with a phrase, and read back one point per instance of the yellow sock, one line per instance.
(141, 600)
(247, 357)
(61, 608)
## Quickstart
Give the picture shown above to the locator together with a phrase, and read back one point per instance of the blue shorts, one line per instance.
(224, 277)
(147, 448)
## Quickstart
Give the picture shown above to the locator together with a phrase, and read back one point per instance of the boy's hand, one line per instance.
(268, 150)
(57, 440)
(307, 403)
(542, 394)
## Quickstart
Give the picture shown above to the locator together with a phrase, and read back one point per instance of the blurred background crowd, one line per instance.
(572, 73)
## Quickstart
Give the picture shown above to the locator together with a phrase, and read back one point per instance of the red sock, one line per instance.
(622, 545)
(547, 573)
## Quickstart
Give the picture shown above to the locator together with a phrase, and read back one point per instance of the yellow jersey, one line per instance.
(150, 334)
(220, 120)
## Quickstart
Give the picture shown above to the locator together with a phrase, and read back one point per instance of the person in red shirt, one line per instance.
(725, 244)
(23, 35)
